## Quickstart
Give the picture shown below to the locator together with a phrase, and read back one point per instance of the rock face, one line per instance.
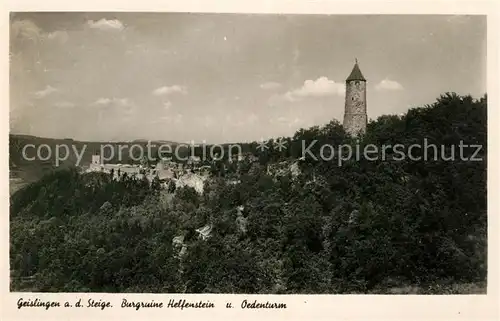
(192, 180)
(178, 240)
(283, 168)
(107, 205)
(204, 232)
(241, 221)
(353, 217)
(164, 174)
(179, 245)
(295, 169)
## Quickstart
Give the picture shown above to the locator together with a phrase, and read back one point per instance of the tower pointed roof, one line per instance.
(356, 73)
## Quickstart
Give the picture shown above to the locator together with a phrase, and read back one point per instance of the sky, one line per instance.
(228, 77)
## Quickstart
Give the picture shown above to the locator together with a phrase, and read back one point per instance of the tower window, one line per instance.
(352, 98)
(357, 82)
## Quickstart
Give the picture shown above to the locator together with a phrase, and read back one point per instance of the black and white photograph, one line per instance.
(247, 153)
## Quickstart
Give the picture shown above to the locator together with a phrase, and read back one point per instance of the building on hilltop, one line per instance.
(355, 117)
(96, 164)
(193, 160)
(243, 157)
(96, 159)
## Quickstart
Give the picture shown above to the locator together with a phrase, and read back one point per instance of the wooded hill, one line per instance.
(363, 227)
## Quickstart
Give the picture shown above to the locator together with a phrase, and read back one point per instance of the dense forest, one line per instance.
(367, 226)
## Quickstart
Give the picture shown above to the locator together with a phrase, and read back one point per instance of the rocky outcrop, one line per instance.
(241, 221)
(192, 180)
(107, 205)
(179, 245)
(204, 232)
(284, 168)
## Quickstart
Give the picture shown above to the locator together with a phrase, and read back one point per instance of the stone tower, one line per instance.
(355, 118)
(96, 159)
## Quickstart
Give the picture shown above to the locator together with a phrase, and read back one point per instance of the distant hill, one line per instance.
(154, 141)
(30, 169)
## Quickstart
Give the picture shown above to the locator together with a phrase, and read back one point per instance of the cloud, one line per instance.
(26, 29)
(270, 85)
(130, 110)
(105, 24)
(458, 19)
(289, 122)
(102, 101)
(178, 119)
(172, 119)
(167, 105)
(252, 119)
(64, 104)
(320, 87)
(122, 101)
(45, 92)
(206, 121)
(112, 101)
(167, 90)
(58, 35)
(387, 84)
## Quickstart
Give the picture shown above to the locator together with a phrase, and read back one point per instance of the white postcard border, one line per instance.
(299, 307)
